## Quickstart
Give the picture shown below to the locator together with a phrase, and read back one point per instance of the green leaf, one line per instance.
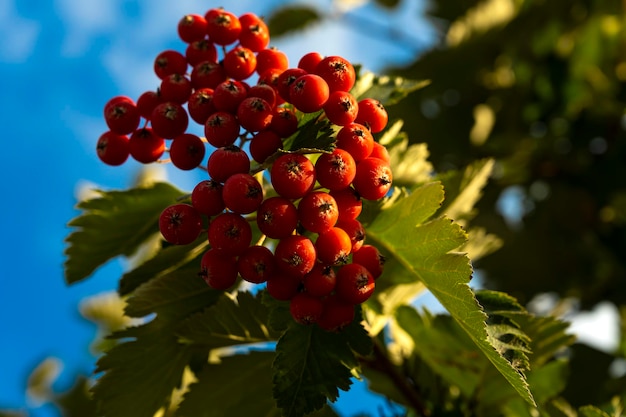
(139, 375)
(291, 18)
(386, 89)
(426, 251)
(591, 411)
(313, 135)
(231, 321)
(312, 364)
(172, 296)
(114, 224)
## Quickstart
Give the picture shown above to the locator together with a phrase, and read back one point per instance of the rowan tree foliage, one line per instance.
(517, 98)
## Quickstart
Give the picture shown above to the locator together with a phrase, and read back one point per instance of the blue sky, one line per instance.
(60, 61)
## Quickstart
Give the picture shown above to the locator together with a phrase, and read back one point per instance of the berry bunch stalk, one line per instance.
(312, 252)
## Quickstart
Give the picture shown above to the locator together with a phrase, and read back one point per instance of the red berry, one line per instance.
(206, 197)
(355, 231)
(372, 114)
(309, 61)
(192, 27)
(176, 88)
(341, 108)
(169, 120)
(284, 122)
(380, 151)
(228, 94)
(286, 79)
(337, 314)
(349, 203)
(113, 149)
(230, 232)
(223, 27)
(121, 115)
(169, 62)
(200, 105)
(338, 72)
(309, 93)
(292, 175)
(264, 144)
(264, 91)
(277, 217)
(356, 139)
(320, 281)
(218, 269)
(254, 114)
(254, 32)
(146, 103)
(295, 255)
(207, 74)
(282, 286)
(187, 151)
(239, 63)
(305, 309)
(370, 257)
(256, 264)
(221, 129)
(146, 146)
(271, 58)
(227, 161)
(373, 178)
(180, 224)
(242, 193)
(335, 170)
(333, 246)
(355, 284)
(201, 51)
(318, 211)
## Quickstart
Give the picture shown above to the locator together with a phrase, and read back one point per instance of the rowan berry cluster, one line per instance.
(311, 250)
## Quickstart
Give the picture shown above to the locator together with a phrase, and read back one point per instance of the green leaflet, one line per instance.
(114, 224)
(289, 19)
(425, 250)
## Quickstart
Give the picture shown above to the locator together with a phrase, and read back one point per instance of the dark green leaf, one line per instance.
(291, 18)
(114, 224)
(388, 90)
(229, 322)
(313, 135)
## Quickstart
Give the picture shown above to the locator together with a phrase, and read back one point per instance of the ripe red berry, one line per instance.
(309, 61)
(349, 203)
(309, 93)
(356, 139)
(206, 197)
(282, 287)
(254, 114)
(380, 151)
(192, 27)
(200, 105)
(318, 211)
(180, 224)
(373, 178)
(305, 309)
(255, 34)
(335, 170)
(200, 51)
(264, 91)
(169, 120)
(230, 232)
(341, 108)
(271, 58)
(239, 63)
(121, 115)
(187, 151)
(146, 103)
(146, 146)
(320, 281)
(169, 62)
(370, 257)
(256, 264)
(228, 94)
(292, 175)
(221, 129)
(372, 114)
(277, 217)
(264, 144)
(207, 74)
(223, 27)
(295, 255)
(333, 246)
(242, 193)
(227, 161)
(286, 79)
(284, 122)
(113, 149)
(218, 269)
(337, 314)
(355, 284)
(176, 88)
(355, 231)
(338, 73)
